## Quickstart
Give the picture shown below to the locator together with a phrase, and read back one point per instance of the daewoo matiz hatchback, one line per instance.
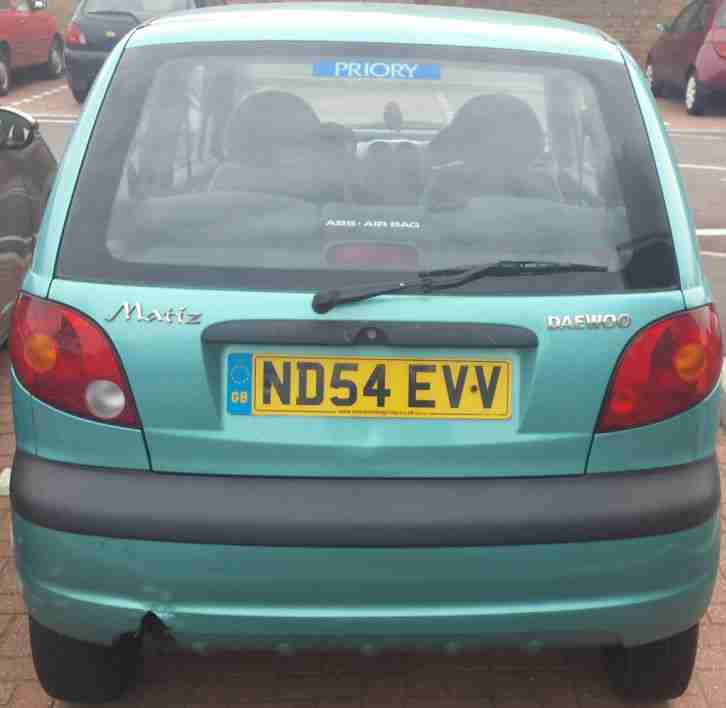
(366, 327)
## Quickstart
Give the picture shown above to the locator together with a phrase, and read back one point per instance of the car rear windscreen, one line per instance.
(282, 166)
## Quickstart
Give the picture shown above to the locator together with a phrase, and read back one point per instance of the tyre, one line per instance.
(76, 671)
(656, 86)
(54, 67)
(695, 96)
(5, 75)
(657, 671)
(79, 94)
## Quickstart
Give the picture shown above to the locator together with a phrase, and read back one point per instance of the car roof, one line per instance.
(378, 23)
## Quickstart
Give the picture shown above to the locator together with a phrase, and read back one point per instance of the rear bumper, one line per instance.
(711, 69)
(576, 594)
(321, 563)
(363, 513)
(82, 67)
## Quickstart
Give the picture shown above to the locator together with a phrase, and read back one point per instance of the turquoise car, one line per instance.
(366, 327)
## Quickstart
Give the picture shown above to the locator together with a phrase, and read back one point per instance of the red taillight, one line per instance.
(74, 34)
(720, 49)
(64, 359)
(667, 368)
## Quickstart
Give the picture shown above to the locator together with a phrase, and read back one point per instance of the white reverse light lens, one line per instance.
(105, 399)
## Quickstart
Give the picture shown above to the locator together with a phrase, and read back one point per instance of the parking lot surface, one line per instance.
(492, 679)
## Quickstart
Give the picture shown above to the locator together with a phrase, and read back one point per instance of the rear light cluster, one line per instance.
(720, 49)
(64, 359)
(74, 35)
(668, 367)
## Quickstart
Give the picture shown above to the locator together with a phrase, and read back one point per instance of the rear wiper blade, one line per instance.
(445, 279)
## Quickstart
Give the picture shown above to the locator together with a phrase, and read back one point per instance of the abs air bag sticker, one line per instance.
(366, 69)
(371, 224)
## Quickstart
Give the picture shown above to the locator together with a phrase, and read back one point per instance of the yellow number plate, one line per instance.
(395, 388)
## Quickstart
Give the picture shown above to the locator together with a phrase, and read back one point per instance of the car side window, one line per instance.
(721, 19)
(22, 6)
(681, 23)
(4, 5)
(699, 20)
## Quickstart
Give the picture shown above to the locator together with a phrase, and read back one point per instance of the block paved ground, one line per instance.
(493, 679)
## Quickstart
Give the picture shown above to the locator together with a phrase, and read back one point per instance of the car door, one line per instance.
(26, 178)
(671, 55)
(41, 31)
(691, 39)
(20, 35)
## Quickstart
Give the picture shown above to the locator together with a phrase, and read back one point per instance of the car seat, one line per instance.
(489, 147)
(275, 143)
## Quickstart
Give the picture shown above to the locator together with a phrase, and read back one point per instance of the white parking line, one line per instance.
(710, 232)
(5, 482)
(54, 121)
(713, 138)
(716, 168)
(37, 96)
(56, 116)
(712, 131)
(713, 254)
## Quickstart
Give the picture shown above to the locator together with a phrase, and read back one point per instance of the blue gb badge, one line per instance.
(239, 384)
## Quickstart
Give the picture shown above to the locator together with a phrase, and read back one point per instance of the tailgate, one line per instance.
(449, 386)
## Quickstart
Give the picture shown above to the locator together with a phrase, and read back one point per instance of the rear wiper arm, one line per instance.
(445, 279)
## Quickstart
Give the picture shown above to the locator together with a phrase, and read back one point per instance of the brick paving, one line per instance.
(492, 679)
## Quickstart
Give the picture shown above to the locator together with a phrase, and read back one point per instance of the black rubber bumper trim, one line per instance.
(355, 333)
(395, 513)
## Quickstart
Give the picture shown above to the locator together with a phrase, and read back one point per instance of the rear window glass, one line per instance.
(294, 167)
(145, 7)
(721, 19)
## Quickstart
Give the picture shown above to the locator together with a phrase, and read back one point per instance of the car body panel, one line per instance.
(680, 216)
(629, 591)
(67, 437)
(689, 436)
(436, 26)
(51, 228)
(182, 403)
(28, 33)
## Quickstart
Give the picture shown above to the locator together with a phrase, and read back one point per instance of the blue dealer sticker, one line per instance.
(366, 69)
(239, 384)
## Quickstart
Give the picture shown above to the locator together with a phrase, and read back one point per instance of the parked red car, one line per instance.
(29, 36)
(690, 54)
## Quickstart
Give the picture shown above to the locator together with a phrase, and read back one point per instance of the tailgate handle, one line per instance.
(463, 335)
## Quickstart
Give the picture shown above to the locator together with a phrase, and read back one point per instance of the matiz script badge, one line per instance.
(589, 321)
(172, 315)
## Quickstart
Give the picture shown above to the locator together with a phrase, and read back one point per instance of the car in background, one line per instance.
(368, 327)
(29, 36)
(27, 171)
(690, 55)
(96, 27)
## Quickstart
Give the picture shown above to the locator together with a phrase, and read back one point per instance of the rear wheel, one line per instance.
(77, 671)
(657, 671)
(5, 77)
(695, 96)
(79, 94)
(656, 86)
(54, 67)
